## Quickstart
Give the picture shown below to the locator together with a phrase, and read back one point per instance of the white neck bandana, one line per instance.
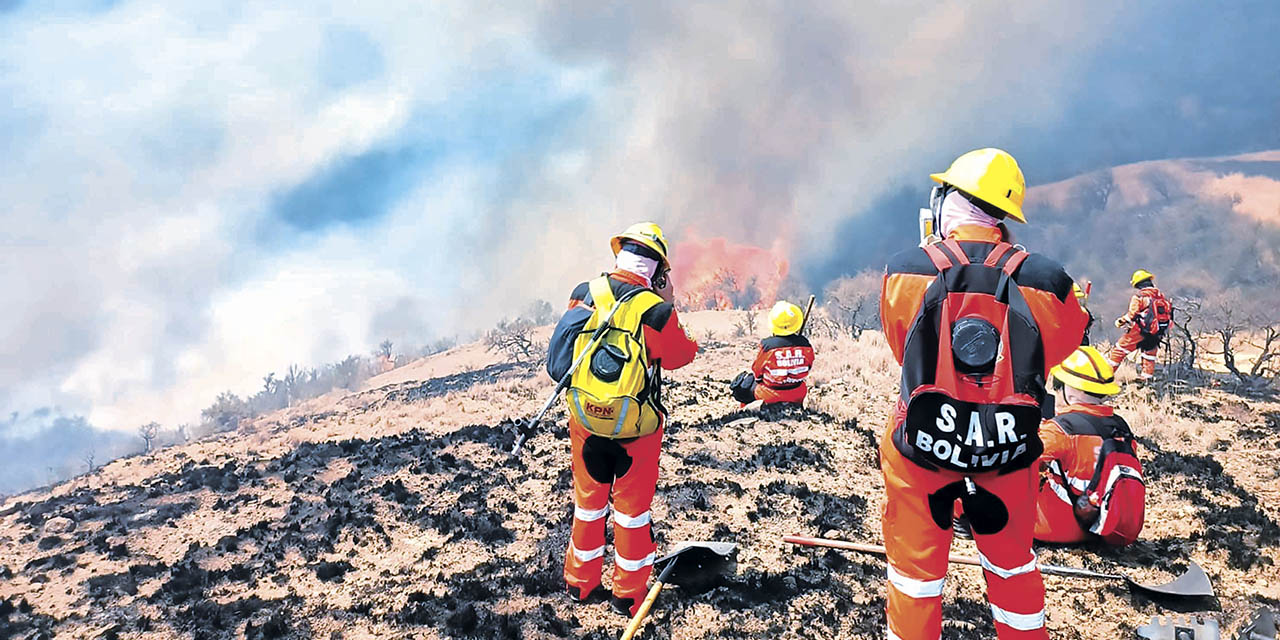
(635, 263)
(957, 211)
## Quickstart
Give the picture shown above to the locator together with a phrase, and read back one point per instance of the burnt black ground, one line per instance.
(794, 471)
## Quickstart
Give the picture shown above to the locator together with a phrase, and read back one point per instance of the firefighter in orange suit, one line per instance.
(941, 306)
(1148, 319)
(622, 472)
(782, 364)
(1072, 442)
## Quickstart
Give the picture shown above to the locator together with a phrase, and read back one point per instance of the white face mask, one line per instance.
(957, 211)
(637, 264)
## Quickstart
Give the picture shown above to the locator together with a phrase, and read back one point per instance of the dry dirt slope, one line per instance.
(393, 513)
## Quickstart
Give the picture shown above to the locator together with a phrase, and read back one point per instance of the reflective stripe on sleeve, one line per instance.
(1007, 573)
(589, 515)
(913, 588)
(632, 565)
(589, 554)
(1060, 491)
(1019, 621)
(1147, 357)
(623, 520)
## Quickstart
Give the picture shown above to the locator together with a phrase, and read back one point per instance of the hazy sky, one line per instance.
(195, 193)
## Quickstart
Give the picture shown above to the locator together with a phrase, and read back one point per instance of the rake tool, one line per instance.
(1193, 583)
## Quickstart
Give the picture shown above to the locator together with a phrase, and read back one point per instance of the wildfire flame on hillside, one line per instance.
(719, 274)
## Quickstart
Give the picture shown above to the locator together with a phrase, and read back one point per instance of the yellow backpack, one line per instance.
(607, 393)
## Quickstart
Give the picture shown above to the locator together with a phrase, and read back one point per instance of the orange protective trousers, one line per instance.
(773, 396)
(1130, 342)
(624, 474)
(918, 549)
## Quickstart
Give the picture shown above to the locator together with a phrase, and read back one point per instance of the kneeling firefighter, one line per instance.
(782, 364)
(616, 416)
(1090, 478)
(975, 323)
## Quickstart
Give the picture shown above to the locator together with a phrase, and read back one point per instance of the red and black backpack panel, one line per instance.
(973, 365)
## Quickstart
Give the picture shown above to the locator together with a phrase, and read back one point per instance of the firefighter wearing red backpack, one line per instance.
(976, 323)
(616, 417)
(1090, 479)
(782, 364)
(1148, 318)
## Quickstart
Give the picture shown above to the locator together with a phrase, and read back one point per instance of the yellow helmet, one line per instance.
(1088, 371)
(991, 175)
(1139, 276)
(645, 233)
(785, 318)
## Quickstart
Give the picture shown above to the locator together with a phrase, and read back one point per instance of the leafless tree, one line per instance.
(88, 461)
(384, 349)
(148, 433)
(853, 304)
(746, 326)
(1268, 345)
(514, 339)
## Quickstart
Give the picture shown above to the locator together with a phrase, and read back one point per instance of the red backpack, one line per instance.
(1113, 505)
(973, 367)
(1155, 317)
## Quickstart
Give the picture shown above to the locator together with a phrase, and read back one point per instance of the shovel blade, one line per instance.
(1193, 583)
(700, 562)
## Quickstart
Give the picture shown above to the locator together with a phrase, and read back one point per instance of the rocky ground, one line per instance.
(394, 512)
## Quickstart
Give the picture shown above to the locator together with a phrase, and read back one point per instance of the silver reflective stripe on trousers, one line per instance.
(589, 515)
(589, 554)
(1007, 573)
(628, 522)
(1019, 621)
(632, 565)
(915, 588)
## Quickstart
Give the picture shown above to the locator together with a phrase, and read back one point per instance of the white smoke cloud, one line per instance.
(147, 262)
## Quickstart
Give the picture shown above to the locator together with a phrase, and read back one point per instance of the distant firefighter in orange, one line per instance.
(782, 364)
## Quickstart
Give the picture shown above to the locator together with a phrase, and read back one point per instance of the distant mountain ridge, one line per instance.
(1250, 182)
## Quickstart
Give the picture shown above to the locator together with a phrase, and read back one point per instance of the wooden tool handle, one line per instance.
(865, 548)
(638, 619)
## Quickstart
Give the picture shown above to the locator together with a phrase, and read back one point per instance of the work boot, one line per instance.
(593, 596)
(623, 605)
(960, 524)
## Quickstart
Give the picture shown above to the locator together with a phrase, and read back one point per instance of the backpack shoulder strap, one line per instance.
(939, 259)
(601, 294)
(954, 247)
(1015, 260)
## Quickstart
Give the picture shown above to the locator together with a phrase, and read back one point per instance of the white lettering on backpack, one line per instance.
(924, 441)
(1004, 427)
(975, 431)
(947, 422)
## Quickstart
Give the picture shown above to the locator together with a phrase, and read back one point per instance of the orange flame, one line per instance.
(719, 274)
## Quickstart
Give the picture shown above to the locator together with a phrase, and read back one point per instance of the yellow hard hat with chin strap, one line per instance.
(785, 318)
(644, 233)
(1088, 371)
(1139, 276)
(990, 175)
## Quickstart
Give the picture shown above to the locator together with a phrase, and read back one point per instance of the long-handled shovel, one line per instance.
(1193, 583)
(694, 561)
